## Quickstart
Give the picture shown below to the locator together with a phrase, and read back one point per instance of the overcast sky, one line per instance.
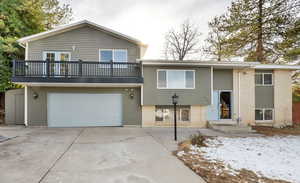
(147, 20)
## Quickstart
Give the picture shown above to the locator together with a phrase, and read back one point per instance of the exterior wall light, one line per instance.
(35, 95)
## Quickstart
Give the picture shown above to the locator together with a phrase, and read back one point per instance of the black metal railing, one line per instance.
(75, 69)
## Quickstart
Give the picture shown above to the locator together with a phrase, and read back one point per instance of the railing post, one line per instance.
(14, 68)
(111, 69)
(80, 68)
(48, 67)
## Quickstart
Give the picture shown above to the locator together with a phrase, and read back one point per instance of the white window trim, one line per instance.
(167, 88)
(180, 111)
(56, 53)
(113, 53)
(263, 79)
(263, 109)
(178, 117)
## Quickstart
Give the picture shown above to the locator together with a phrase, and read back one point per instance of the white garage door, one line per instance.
(83, 109)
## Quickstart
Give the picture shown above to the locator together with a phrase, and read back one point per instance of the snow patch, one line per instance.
(273, 157)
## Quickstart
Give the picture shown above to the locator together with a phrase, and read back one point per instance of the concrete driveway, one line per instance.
(108, 155)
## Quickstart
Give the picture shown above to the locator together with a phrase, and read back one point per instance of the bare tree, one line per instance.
(182, 42)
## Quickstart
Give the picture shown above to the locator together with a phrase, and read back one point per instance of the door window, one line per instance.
(57, 69)
(225, 105)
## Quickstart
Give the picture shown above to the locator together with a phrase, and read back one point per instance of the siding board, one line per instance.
(87, 40)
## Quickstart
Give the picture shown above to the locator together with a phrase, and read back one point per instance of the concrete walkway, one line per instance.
(110, 155)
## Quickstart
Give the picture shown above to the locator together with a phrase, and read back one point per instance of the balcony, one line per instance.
(76, 71)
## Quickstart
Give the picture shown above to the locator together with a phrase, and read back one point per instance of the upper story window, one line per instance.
(56, 56)
(263, 79)
(115, 55)
(175, 79)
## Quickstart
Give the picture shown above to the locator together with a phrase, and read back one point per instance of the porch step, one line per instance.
(229, 127)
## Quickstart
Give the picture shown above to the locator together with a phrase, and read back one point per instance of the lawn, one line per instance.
(268, 159)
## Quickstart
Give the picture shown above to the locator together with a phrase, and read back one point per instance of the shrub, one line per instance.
(198, 139)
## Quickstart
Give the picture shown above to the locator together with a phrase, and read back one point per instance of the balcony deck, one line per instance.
(76, 71)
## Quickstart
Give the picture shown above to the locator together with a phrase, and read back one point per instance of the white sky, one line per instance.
(148, 20)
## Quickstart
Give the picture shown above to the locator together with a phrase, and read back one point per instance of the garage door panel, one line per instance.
(78, 109)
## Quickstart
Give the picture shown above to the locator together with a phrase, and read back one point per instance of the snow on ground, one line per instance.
(274, 157)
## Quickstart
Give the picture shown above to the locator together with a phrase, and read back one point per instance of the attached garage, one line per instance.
(84, 109)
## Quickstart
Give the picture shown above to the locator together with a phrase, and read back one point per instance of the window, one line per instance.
(115, 55)
(263, 114)
(166, 114)
(175, 79)
(263, 79)
(56, 56)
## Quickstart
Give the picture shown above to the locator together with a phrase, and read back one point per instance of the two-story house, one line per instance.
(84, 74)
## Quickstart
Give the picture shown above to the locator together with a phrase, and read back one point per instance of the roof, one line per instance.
(68, 27)
(216, 64)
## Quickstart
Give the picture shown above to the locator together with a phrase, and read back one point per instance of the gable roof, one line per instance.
(68, 27)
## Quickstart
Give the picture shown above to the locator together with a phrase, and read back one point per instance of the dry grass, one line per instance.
(216, 172)
(270, 131)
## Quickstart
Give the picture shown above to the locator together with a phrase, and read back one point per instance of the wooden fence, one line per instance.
(296, 113)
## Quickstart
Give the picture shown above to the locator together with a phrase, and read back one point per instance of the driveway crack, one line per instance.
(66, 150)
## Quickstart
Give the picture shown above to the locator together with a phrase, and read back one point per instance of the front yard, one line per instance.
(250, 159)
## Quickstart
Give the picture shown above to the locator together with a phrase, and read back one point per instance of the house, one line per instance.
(84, 74)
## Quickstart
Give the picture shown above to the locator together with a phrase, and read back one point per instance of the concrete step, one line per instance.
(230, 127)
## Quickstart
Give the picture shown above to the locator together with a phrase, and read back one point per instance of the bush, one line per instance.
(198, 139)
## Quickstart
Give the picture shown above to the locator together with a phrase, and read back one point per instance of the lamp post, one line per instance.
(175, 101)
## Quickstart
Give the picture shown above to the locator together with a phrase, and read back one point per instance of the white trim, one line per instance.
(254, 65)
(142, 95)
(275, 66)
(239, 97)
(81, 84)
(57, 54)
(176, 70)
(179, 109)
(197, 63)
(26, 51)
(26, 105)
(263, 110)
(263, 79)
(212, 84)
(113, 53)
(72, 26)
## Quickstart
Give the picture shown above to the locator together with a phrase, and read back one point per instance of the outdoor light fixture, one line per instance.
(175, 101)
(130, 92)
(35, 95)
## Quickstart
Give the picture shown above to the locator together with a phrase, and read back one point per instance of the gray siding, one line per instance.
(37, 108)
(264, 95)
(201, 95)
(87, 40)
(223, 79)
(14, 106)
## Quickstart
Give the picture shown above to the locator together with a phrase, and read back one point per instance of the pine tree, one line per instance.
(216, 40)
(256, 28)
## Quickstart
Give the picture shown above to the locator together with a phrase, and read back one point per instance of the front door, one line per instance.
(225, 105)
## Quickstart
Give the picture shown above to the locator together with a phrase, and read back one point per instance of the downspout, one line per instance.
(239, 97)
(211, 84)
(26, 91)
(26, 106)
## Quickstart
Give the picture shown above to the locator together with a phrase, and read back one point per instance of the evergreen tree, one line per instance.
(216, 40)
(256, 29)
